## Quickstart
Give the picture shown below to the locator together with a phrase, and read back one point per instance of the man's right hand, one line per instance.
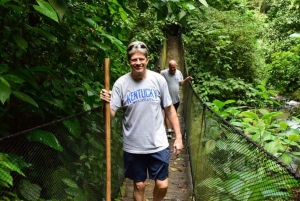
(105, 95)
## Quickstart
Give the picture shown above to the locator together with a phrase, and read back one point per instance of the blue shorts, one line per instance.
(176, 105)
(156, 164)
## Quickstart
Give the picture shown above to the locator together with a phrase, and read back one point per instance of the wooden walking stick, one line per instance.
(107, 131)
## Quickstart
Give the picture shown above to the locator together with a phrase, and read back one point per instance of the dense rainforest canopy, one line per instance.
(52, 52)
(244, 53)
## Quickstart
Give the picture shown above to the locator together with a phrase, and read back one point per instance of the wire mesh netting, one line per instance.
(63, 160)
(226, 164)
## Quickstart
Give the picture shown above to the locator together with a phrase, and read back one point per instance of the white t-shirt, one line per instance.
(173, 81)
(142, 103)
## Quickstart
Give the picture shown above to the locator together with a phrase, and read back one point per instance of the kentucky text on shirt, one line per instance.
(142, 95)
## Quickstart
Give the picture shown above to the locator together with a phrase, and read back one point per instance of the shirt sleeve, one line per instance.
(165, 94)
(180, 77)
(116, 98)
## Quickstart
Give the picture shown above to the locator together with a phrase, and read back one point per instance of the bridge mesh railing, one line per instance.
(227, 165)
(62, 160)
(65, 159)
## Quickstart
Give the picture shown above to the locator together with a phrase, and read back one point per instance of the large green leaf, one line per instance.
(11, 167)
(102, 46)
(218, 103)
(4, 184)
(60, 7)
(24, 97)
(271, 114)
(294, 138)
(21, 42)
(4, 90)
(94, 24)
(234, 186)
(6, 177)
(123, 14)
(211, 182)
(74, 191)
(30, 191)
(283, 125)
(13, 78)
(210, 145)
(46, 9)
(203, 2)
(70, 183)
(181, 14)
(47, 35)
(250, 114)
(46, 138)
(54, 185)
(272, 147)
(286, 158)
(73, 126)
(188, 6)
(116, 42)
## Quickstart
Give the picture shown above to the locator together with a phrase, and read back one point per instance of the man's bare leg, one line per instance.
(160, 189)
(139, 191)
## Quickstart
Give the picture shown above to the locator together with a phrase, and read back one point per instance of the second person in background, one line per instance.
(174, 79)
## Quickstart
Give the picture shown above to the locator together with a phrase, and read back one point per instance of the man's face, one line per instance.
(172, 68)
(138, 63)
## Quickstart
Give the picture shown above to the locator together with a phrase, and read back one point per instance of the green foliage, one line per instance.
(271, 133)
(284, 69)
(10, 163)
(29, 190)
(283, 42)
(283, 19)
(275, 136)
(51, 66)
(227, 4)
(211, 88)
(235, 187)
(177, 12)
(46, 9)
(53, 54)
(237, 169)
(222, 53)
(46, 138)
(225, 112)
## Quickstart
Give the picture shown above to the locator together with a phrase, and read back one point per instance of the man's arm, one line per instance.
(171, 114)
(187, 79)
(105, 96)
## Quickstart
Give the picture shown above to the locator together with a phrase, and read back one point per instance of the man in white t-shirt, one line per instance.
(141, 94)
(174, 79)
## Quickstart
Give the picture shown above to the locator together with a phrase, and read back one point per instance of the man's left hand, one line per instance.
(178, 146)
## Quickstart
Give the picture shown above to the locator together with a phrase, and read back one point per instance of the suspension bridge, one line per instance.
(65, 159)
